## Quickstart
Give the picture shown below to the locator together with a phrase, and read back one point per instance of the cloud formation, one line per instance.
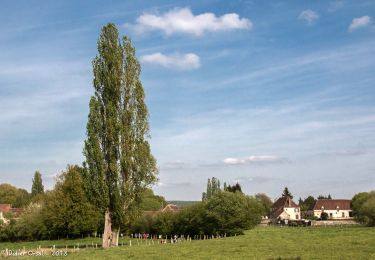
(309, 16)
(253, 159)
(182, 20)
(189, 61)
(359, 23)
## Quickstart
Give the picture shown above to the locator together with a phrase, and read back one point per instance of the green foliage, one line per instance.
(192, 220)
(266, 201)
(119, 163)
(164, 223)
(150, 201)
(363, 206)
(323, 197)
(368, 210)
(67, 211)
(225, 213)
(307, 203)
(213, 187)
(30, 226)
(37, 187)
(324, 216)
(232, 213)
(9, 194)
(142, 224)
(234, 188)
(286, 193)
(204, 196)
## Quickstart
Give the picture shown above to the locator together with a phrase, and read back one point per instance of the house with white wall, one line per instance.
(285, 209)
(335, 208)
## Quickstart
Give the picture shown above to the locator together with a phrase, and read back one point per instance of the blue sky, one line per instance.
(264, 93)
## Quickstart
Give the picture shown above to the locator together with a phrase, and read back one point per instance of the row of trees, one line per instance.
(66, 211)
(224, 213)
(213, 188)
(18, 197)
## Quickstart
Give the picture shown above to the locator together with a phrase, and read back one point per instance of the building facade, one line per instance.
(335, 209)
(285, 209)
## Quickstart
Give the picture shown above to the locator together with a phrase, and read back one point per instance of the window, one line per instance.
(343, 214)
(297, 217)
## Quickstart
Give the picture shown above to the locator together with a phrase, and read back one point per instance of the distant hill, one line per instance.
(182, 203)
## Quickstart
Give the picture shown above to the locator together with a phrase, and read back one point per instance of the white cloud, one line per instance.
(184, 21)
(359, 22)
(187, 61)
(309, 16)
(253, 159)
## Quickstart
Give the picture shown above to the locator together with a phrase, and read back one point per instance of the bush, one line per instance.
(225, 213)
(30, 225)
(363, 205)
(192, 220)
(232, 213)
(324, 216)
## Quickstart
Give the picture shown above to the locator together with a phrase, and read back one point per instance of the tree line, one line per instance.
(18, 197)
(63, 212)
(223, 213)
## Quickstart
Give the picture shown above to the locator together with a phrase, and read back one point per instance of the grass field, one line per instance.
(260, 243)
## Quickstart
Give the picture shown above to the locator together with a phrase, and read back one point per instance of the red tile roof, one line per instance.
(5, 208)
(170, 207)
(333, 204)
(278, 207)
(285, 202)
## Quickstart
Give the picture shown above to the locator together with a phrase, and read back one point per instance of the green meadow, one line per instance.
(259, 243)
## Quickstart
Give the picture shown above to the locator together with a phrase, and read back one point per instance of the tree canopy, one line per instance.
(234, 188)
(37, 186)
(67, 210)
(286, 193)
(266, 201)
(17, 197)
(363, 205)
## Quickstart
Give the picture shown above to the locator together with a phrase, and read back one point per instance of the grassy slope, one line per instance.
(260, 243)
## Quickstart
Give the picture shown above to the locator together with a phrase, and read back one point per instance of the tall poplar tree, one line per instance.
(209, 189)
(119, 163)
(37, 186)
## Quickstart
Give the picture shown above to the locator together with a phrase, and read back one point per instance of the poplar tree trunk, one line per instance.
(107, 234)
(115, 237)
(110, 234)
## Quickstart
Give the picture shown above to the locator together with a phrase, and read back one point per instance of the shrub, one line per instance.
(225, 213)
(324, 216)
(232, 213)
(363, 205)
